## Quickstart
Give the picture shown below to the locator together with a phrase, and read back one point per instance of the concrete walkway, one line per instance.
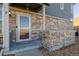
(32, 52)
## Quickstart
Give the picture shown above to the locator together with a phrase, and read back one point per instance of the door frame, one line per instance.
(18, 14)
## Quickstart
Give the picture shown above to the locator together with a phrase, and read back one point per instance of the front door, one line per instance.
(23, 28)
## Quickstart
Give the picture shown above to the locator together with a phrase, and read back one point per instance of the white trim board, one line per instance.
(5, 17)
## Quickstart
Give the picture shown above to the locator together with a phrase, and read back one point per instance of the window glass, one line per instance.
(71, 9)
(0, 12)
(61, 6)
(24, 25)
(1, 36)
(24, 21)
(0, 20)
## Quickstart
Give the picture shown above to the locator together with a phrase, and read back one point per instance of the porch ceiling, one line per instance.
(36, 7)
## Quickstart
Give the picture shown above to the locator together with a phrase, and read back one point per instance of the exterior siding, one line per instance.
(36, 22)
(54, 10)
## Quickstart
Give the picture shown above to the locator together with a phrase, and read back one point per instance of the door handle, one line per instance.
(16, 26)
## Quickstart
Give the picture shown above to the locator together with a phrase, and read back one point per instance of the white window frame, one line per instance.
(62, 6)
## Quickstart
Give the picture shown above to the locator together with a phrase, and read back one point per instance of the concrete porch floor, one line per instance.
(28, 45)
(25, 48)
(31, 52)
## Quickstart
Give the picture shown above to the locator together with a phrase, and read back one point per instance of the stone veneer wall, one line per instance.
(58, 33)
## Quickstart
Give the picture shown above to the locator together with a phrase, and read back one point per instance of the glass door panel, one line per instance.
(24, 28)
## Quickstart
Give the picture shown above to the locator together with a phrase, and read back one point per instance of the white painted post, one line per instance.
(44, 22)
(6, 26)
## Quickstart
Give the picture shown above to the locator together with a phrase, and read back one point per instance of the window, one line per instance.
(1, 38)
(61, 6)
(0, 13)
(24, 22)
(71, 9)
(0, 20)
